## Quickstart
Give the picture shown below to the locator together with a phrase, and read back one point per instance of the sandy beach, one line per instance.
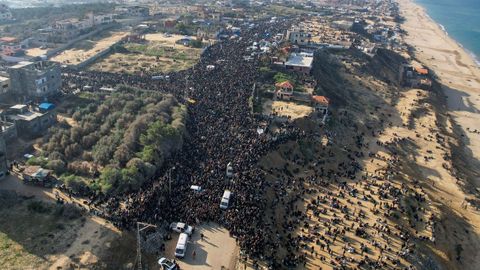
(455, 68)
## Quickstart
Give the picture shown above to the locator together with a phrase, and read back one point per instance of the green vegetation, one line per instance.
(282, 77)
(123, 140)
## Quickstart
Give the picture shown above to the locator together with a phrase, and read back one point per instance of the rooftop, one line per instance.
(300, 60)
(40, 65)
(18, 107)
(27, 116)
(321, 99)
(285, 84)
(22, 64)
(8, 39)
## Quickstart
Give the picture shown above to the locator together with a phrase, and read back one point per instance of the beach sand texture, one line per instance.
(456, 69)
(459, 76)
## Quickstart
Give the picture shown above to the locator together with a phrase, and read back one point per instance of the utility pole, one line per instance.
(170, 179)
(140, 227)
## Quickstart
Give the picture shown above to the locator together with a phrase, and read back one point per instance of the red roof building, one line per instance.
(321, 100)
(284, 90)
(321, 104)
(284, 85)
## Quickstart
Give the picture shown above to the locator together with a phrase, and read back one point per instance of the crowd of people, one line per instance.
(222, 130)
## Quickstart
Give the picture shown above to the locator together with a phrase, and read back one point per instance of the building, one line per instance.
(5, 13)
(134, 11)
(35, 80)
(415, 77)
(169, 24)
(3, 158)
(31, 123)
(299, 37)
(4, 85)
(63, 31)
(300, 62)
(11, 46)
(208, 32)
(284, 90)
(320, 104)
(8, 129)
(36, 174)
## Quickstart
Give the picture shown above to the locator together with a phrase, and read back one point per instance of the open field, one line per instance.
(36, 52)
(292, 110)
(159, 55)
(85, 49)
(33, 232)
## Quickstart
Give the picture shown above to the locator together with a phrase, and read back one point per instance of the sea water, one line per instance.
(460, 19)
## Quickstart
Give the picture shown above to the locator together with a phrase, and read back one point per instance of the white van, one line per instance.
(181, 248)
(225, 199)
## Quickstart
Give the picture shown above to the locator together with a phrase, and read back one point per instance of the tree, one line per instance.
(58, 166)
(109, 178)
(182, 28)
(76, 184)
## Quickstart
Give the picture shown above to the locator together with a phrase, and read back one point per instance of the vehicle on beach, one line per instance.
(181, 248)
(166, 264)
(181, 227)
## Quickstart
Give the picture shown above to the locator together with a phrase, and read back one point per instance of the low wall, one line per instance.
(53, 52)
(94, 58)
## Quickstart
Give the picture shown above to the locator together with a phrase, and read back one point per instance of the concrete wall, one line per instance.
(97, 56)
(53, 52)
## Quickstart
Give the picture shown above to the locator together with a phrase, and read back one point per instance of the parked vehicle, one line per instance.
(181, 227)
(181, 248)
(166, 264)
(224, 203)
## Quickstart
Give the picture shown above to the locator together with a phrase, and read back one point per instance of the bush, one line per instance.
(76, 184)
(38, 207)
(126, 133)
(37, 161)
(58, 166)
(282, 77)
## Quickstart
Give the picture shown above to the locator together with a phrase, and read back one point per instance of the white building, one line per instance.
(299, 36)
(300, 62)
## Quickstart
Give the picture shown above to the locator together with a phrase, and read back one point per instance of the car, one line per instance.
(166, 264)
(196, 188)
(181, 227)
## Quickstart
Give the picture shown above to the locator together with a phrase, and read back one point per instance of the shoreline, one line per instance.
(457, 71)
(474, 56)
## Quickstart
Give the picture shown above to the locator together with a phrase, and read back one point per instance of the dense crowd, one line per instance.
(221, 130)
